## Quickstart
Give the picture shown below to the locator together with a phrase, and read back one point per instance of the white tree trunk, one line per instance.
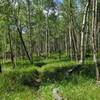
(83, 33)
(94, 35)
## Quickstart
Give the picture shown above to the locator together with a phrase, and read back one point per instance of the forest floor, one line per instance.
(18, 84)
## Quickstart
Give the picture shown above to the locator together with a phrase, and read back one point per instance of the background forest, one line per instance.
(47, 46)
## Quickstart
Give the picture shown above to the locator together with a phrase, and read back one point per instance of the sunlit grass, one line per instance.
(74, 87)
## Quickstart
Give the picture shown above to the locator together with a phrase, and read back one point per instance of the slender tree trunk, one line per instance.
(66, 44)
(75, 46)
(0, 69)
(94, 34)
(83, 33)
(98, 37)
(22, 41)
(70, 42)
(11, 48)
(46, 45)
(29, 24)
(5, 46)
(87, 34)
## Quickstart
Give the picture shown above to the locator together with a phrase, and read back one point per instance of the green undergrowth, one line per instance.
(49, 71)
(74, 88)
(29, 73)
(19, 83)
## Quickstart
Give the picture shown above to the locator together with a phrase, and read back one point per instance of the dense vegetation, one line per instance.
(47, 46)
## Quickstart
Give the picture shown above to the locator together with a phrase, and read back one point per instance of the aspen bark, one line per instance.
(83, 34)
(94, 34)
